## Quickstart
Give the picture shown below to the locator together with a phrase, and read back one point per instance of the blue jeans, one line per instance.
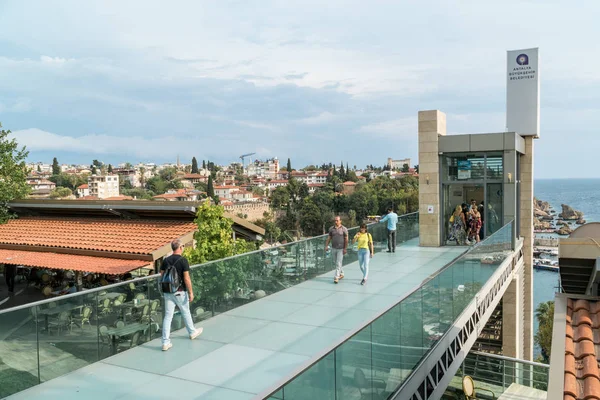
(363, 261)
(338, 261)
(182, 301)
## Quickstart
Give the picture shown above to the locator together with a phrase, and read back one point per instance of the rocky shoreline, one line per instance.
(548, 221)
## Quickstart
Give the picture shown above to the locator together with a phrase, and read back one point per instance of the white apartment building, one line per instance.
(272, 185)
(266, 169)
(225, 192)
(83, 190)
(104, 186)
(398, 164)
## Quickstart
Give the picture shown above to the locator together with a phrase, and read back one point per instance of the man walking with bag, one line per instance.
(392, 220)
(177, 291)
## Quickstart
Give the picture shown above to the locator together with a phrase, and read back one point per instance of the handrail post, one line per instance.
(513, 233)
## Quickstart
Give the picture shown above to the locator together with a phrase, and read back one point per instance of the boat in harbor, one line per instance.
(545, 264)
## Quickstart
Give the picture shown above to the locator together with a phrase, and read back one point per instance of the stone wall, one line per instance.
(254, 210)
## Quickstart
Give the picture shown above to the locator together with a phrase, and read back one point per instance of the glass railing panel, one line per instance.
(18, 354)
(353, 370)
(432, 328)
(151, 309)
(317, 382)
(67, 335)
(411, 331)
(119, 325)
(352, 253)
(387, 348)
(446, 289)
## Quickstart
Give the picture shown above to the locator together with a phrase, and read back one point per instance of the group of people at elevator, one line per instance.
(466, 223)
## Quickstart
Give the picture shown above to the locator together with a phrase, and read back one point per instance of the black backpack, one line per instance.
(170, 281)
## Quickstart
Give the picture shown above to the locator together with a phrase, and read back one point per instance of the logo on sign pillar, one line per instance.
(522, 59)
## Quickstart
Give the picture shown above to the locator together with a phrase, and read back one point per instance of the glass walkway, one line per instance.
(306, 339)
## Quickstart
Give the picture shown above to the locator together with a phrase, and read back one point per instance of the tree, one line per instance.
(203, 164)
(416, 168)
(60, 192)
(127, 165)
(39, 168)
(405, 168)
(310, 219)
(210, 189)
(55, 167)
(110, 169)
(143, 176)
(94, 170)
(13, 173)
(194, 165)
(545, 316)
(214, 241)
(289, 168)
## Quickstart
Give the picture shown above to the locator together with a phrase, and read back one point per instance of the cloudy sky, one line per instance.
(311, 80)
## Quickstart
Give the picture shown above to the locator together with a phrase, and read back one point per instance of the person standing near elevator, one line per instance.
(392, 220)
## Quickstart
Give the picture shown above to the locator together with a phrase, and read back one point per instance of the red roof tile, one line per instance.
(582, 350)
(110, 235)
(84, 186)
(102, 265)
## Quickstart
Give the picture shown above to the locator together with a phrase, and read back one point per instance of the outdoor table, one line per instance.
(111, 295)
(56, 310)
(124, 331)
(131, 304)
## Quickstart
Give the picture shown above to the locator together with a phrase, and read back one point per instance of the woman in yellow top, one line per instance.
(365, 246)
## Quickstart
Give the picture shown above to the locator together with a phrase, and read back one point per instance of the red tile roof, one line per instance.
(582, 350)
(102, 265)
(84, 186)
(119, 197)
(110, 235)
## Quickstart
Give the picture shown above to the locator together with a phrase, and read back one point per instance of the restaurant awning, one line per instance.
(100, 265)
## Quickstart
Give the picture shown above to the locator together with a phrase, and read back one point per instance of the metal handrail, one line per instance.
(505, 358)
(147, 278)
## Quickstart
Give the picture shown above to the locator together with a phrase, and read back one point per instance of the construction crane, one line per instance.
(244, 156)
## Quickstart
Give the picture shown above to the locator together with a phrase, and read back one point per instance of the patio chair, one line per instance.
(198, 313)
(145, 315)
(103, 337)
(121, 298)
(63, 321)
(85, 315)
(119, 324)
(104, 307)
(468, 386)
(128, 344)
(369, 388)
(139, 296)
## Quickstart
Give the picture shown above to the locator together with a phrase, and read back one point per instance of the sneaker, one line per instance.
(363, 282)
(335, 280)
(196, 334)
(341, 276)
(167, 346)
(389, 251)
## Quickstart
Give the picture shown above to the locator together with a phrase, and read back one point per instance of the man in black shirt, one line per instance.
(182, 298)
(10, 271)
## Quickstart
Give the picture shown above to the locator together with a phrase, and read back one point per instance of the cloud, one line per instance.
(17, 106)
(402, 128)
(319, 119)
(258, 125)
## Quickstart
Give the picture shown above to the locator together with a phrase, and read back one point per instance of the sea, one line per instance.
(581, 194)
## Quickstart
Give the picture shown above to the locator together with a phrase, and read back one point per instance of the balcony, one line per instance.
(307, 338)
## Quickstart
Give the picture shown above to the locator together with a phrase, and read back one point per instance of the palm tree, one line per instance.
(545, 315)
(143, 176)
